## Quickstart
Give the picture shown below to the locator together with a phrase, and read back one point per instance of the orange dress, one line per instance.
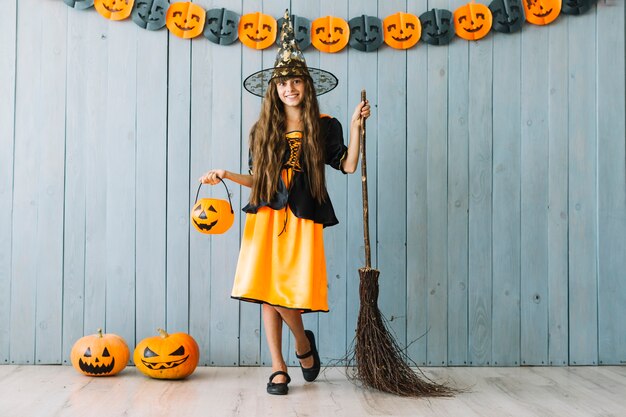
(281, 261)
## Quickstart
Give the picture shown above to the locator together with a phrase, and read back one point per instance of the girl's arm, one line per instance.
(351, 161)
(212, 177)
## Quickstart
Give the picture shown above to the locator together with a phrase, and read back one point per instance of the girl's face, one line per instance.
(291, 91)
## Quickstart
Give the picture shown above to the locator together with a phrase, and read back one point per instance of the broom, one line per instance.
(380, 362)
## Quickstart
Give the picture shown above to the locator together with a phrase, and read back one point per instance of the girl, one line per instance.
(281, 261)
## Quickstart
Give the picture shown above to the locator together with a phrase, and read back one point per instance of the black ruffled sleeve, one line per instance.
(335, 150)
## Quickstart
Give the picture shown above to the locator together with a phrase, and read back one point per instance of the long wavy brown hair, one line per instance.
(267, 144)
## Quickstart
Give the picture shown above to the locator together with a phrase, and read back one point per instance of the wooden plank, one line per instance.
(48, 244)
(28, 139)
(121, 141)
(151, 191)
(557, 189)
(178, 185)
(391, 198)
(481, 324)
(8, 38)
(417, 212)
(611, 185)
(250, 337)
(507, 77)
(583, 230)
(534, 204)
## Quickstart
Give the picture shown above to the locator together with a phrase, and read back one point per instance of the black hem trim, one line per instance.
(253, 300)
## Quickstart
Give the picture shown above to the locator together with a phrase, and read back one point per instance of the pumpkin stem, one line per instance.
(162, 333)
(100, 333)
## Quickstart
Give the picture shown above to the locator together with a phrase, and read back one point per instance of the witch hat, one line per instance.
(289, 62)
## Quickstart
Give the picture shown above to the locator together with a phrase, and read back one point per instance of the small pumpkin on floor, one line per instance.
(100, 354)
(167, 356)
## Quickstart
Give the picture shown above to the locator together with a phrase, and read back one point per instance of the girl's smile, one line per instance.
(291, 91)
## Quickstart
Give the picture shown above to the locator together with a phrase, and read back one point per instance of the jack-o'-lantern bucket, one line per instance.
(212, 215)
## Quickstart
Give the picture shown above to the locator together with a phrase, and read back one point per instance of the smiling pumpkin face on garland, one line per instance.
(508, 15)
(185, 19)
(366, 33)
(100, 354)
(541, 12)
(472, 21)
(402, 30)
(577, 6)
(150, 14)
(114, 9)
(437, 27)
(330, 34)
(257, 30)
(167, 356)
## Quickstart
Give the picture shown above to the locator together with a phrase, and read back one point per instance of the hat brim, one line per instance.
(323, 81)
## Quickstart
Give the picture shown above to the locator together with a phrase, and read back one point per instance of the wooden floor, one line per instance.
(30, 391)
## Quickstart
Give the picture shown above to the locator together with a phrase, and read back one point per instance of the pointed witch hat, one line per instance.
(290, 62)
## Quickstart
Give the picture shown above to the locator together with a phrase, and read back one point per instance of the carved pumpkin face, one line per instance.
(150, 14)
(100, 354)
(330, 34)
(167, 356)
(366, 33)
(257, 30)
(576, 6)
(114, 9)
(437, 27)
(472, 21)
(221, 26)
(185, 19)
(79, 4)
(541, 12)
(402, 30)
(301, 30)
(212, 216)
(507, 15)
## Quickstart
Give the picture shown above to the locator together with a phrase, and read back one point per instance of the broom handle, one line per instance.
(366, 228)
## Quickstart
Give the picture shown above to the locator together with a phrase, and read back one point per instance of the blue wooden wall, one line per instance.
(496, 168)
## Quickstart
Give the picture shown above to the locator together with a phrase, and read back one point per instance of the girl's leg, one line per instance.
(273, 324)
(293, 318)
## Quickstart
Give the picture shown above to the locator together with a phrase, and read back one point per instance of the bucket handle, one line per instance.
(227, 193)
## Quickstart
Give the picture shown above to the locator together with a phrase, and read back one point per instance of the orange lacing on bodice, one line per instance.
(294, 139)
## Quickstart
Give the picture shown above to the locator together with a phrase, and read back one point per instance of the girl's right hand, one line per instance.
(213, 176)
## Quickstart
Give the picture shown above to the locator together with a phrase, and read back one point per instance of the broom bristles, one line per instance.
(380, 363)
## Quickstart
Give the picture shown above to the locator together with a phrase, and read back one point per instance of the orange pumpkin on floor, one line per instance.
(100, 354)
(167, 356)
(472, 21)
(114, 9)
(330, 34)
(185, 19)
(402, 30)
(257, 30)
(541, 12)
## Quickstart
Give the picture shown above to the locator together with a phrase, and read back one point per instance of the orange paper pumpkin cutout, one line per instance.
(114, 9)
(257, 30)
(402, 30)
(472, 21)
(330, 34)
(185, 19)
(541, 12)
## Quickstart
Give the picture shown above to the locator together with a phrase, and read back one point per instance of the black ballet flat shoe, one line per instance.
(310, 373)
(278, 388)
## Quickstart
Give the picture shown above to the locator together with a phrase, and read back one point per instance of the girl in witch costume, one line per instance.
(281, 261)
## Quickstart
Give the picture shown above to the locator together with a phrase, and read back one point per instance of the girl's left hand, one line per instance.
(362, 110)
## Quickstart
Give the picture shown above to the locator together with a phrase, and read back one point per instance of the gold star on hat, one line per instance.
(290, 62)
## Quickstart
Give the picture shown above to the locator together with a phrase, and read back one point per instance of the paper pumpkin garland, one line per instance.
(79, 4)
(472, 21)
(257, 30)
(301, 28)
(541, 12)
(576, 6)
(366, 33)
(100, 354)
(508, 15)
(402, 30)
(221, 26)
(185, 19)
(150, 14)
(167, 356)
(330, 34)
(114, 9)
(437, 27)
